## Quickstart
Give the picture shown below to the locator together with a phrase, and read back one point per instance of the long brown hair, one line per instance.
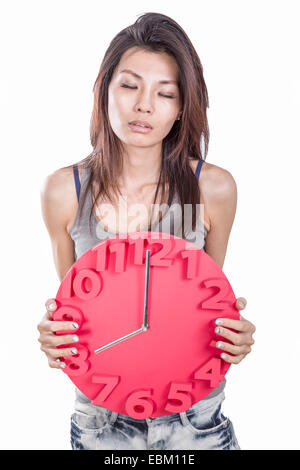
(153, 32)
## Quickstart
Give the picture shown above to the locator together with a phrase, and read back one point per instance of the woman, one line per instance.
(150, 76)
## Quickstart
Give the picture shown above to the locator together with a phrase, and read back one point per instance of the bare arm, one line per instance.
(59, 206)
(58, 203)
(219, 195)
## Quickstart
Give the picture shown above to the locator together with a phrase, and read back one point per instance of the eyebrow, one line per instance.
(138, 76)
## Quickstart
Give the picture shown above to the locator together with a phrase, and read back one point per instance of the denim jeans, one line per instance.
(203, 426)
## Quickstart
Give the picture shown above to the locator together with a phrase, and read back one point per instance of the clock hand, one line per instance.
(145, 326)
(119, 340)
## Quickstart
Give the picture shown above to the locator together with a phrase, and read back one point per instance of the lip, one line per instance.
(141, 122)
(143, 130)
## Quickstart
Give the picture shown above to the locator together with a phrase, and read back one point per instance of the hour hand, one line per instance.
(120, 339)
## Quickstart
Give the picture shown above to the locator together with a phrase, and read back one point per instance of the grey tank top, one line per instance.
(84, 240)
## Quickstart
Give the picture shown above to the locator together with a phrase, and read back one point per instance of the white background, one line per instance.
(50, 56)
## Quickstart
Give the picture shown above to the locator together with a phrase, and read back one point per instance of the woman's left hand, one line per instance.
(242, 341)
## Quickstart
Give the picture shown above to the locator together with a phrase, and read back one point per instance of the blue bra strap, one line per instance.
(77, 181)
(199, 166)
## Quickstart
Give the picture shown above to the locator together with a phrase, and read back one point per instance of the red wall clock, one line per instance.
(146, 304)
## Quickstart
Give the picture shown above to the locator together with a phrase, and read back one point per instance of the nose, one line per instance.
(144, 109)
(144, 104)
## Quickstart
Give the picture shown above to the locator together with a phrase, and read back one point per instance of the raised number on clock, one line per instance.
(110, 382)
(211, 371)
(215, 302)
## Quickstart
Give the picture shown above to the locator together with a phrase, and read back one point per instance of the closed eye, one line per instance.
(134, 88)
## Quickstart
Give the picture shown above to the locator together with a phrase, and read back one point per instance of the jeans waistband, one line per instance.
(83, 406)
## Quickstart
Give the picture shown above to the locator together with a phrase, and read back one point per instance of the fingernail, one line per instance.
(219, 321)
(74, 351)
(218, 330)
(241, 304)
(62, 365)
(223, 356)
(75, 325)
(219, 345)
(75, 338)
(52, 306)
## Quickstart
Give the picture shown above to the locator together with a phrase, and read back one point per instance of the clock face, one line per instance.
(137, 361)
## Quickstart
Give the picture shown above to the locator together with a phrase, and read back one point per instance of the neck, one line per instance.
(141, 165)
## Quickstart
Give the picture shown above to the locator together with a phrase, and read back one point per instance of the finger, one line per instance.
(236, 338)
(233, 349)
(50, 305)
(65, 339)
(62, 352)
(232, 359)
(241, 303)
(62, 326)
(238, 325)
(56, 364)
(50, 326)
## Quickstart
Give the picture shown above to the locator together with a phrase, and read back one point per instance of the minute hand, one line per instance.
(145, 325)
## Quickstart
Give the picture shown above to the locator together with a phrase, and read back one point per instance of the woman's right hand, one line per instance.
(49, 340)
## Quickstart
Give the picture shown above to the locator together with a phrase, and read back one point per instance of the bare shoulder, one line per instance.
(58, 195)
(57, 187)
(214, 181)
(218, 189)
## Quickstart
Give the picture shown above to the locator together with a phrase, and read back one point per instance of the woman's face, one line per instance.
(147, 100)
